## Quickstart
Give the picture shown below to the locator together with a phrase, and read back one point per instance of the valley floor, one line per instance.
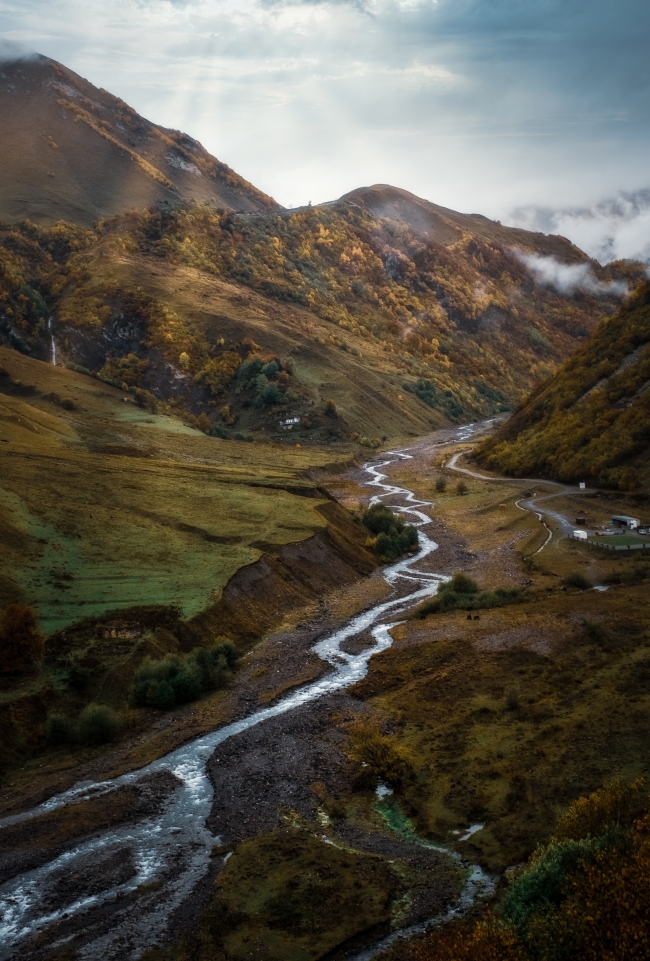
(477, 729)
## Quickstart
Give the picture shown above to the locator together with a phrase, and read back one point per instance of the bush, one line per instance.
(271, 370)
(393, 537)
(97, 724)
(441, 484)
(462, 488)
(577, 580)
(57, 729)
(178, 680)
(595, 632)
(330, 408)
(21, 643)
(463, 593)
(268, 394)
(79, 368)
(380, 755)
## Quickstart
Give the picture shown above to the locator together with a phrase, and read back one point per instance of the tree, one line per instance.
(21, 643)
(462, 488)
(441, 484)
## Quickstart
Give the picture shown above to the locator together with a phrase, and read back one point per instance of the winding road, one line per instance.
(530, 504)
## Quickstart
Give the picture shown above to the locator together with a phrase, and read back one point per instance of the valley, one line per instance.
(500, 709)
(299, 657)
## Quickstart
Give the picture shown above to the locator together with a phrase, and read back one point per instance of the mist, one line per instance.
(614, 229)
(568, 278)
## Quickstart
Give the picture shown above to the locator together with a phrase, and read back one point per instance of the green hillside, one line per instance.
(591, 420)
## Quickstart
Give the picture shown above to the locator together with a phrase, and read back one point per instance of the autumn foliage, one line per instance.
(586, 894)
(21, 642)
(592, 419)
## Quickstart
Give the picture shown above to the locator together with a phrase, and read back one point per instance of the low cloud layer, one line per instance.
(568, 278)
(615, 229)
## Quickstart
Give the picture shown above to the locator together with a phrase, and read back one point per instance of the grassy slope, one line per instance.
(106, 507)
(512, 716)
(591, 419)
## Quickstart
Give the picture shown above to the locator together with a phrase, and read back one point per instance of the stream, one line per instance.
(169, 854)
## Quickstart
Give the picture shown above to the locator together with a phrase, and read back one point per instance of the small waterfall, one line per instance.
(52, 342)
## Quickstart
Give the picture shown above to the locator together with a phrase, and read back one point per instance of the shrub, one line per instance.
(97, 724)
(595, 632)
(577, 580)
(393, 537)
(178, 680)
(21, 643)
(380, 755)
(271, 370)
(57, 729)
(78, 676)
(441, 484)
(463, 593)
(462, 488)
(269, 394)
(330, 408)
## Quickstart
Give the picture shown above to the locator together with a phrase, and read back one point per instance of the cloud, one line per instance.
(476, 104)
(11, 51)
(567, 278)
(614, 229)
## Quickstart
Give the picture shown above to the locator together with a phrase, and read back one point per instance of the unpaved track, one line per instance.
(533, 503)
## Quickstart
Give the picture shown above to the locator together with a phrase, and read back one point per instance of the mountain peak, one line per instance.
(75, 152)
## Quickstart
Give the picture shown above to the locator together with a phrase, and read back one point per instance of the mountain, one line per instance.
(591, 421)
(73, 152)
(129, 252)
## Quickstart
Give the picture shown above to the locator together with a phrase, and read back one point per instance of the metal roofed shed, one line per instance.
(622, 520)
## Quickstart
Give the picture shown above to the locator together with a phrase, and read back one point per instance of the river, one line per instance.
(171, 851)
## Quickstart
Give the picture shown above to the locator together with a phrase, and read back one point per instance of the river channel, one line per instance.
(170, 852)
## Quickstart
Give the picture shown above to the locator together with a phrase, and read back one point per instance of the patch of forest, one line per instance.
(591, 420)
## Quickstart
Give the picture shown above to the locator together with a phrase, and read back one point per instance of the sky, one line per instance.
(535, 112)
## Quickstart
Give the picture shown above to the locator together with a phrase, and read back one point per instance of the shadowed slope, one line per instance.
(592, 419)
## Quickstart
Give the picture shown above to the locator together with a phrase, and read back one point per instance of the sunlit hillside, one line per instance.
(349, 325)
(72, 151)
(592, 419)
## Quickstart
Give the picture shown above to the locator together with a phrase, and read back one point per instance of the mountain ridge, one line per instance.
(379, 315)
(51, 117)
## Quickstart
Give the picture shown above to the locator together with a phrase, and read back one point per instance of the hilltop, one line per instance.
(591, 420)
(71, 151)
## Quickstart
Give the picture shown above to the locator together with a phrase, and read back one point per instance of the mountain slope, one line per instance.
(592, 419)
(73, 152)
(401, 334)
(376, 316)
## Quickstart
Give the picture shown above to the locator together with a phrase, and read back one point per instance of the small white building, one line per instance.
(289, 423)
(580, 535)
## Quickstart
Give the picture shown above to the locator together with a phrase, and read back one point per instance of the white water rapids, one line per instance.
(173, 848)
